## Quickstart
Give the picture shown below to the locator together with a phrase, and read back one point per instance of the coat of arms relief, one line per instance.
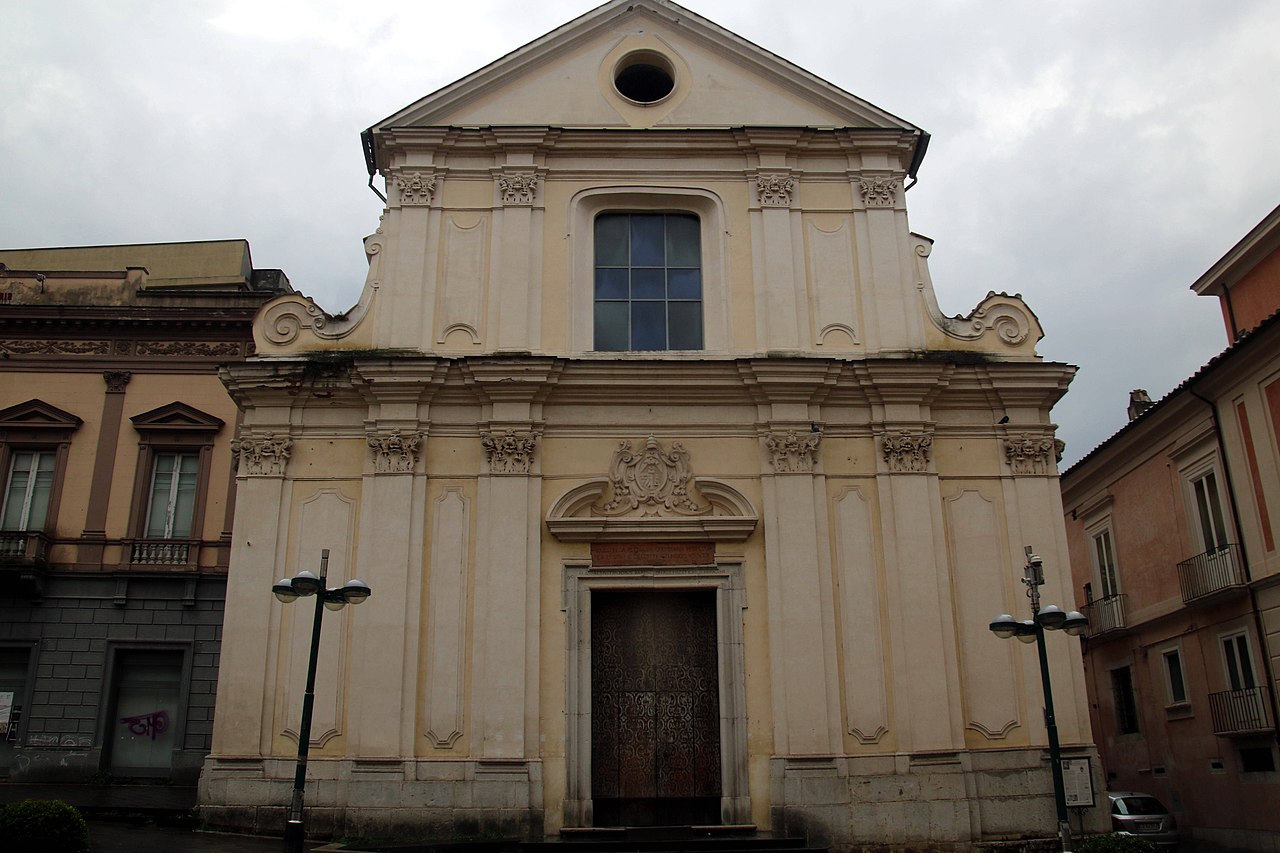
(652, 479)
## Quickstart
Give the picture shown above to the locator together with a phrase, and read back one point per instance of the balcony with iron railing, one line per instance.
(24, 548)
(1106, 615)
(1215, 571)
(1240, 712)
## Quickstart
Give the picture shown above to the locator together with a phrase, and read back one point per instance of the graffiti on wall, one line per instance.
(151, 724)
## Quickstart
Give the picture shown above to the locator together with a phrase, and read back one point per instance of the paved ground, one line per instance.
(123, 837)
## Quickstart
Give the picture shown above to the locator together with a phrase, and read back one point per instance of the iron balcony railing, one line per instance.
(24, 548)
(160, 552)
(1105, 614)
(1213, 571)
(1240, 712)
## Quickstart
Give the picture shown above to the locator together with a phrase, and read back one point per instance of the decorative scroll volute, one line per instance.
(262, 456)
(793, 453)
(906, 451)
(652, 478)
(394, 453)
(510, 452)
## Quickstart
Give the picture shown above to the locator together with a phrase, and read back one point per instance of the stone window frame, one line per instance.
(1176, 707)
(36, 426)
(1194, 468)
(726, 579)
(175, 428)
(586, 205)
(1239, 638)
(1095, 530)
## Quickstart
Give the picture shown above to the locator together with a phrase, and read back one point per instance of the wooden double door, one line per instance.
(655, 708)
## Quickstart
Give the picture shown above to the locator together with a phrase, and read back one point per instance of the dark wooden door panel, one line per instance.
(655, 736)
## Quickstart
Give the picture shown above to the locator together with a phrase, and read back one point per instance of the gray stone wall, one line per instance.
(74, 629)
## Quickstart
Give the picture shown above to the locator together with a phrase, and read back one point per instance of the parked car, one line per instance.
(1139, 814)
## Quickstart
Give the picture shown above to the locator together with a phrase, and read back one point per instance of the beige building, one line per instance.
(1172, 529)
(115, 519)
(681, 500)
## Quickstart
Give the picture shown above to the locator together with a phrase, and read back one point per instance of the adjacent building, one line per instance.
(1173, 529)
(115, 526)
(681, 500)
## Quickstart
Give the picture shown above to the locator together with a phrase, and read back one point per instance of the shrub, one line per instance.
(1114, 842)
(43, 826)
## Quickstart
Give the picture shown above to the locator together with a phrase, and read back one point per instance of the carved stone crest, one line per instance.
(1029, 454)
(509, 452)
(879, 192)
(415, 187)
(394, 453)
(906, 451)
(793, 453)
(775, 190)
(653, 478)
(262, 456)
(518, 188)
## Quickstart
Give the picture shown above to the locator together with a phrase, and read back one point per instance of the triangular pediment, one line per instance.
(565, 79)
(37, 414)
(177, 416)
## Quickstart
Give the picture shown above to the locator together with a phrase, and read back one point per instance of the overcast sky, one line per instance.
(1095, 156)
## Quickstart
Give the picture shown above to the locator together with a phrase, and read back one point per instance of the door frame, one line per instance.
(725, 577)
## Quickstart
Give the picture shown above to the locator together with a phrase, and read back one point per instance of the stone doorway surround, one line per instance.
(660, 528)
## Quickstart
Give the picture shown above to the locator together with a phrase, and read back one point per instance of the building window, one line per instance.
(173, 495)
(1105, 563)
(1173, 677)
(1125, 702)
(1237, 662)
(30, 483)
(1209, 516)
(1257, 759)
(648, 282)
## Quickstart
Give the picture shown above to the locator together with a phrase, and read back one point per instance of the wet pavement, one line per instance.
(146, 837)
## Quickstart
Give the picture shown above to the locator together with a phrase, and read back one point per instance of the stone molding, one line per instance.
(651, 477)
(394, 453)
(793, 453)
(1027, 453)
(879, 192)
(415, 188)
(203, 348)
(262, 456)
(116, 380)
(775, 190)
(518, 188)
(510, 452)
(907, 452)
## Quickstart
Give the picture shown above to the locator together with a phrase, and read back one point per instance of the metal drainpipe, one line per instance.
(1244, 554)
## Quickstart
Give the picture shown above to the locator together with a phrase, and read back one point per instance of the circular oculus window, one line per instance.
(644, 77)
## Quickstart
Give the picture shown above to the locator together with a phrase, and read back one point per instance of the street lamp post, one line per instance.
(288, 590)
(1051, 618)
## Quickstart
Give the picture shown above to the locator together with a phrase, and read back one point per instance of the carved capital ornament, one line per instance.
(906, 451)
(509, 452)
(262, 456)
(1030, 454)
(518, 188)
(394, 453)
(878, 192)
(775, 190)
(416, 188)
(792, 452)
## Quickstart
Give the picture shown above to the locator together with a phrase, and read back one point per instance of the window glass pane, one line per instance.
(684, 284)
(184, 502)
(686, 325)
(1177, 687)
(648, 325)
(611, 283)
(173, 491)
(161, 490)
(611, 325)
(648, 284)
(611, 240)
(684, 241)
(646, 240)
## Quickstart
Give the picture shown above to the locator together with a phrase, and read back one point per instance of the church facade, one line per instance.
(680, 499)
